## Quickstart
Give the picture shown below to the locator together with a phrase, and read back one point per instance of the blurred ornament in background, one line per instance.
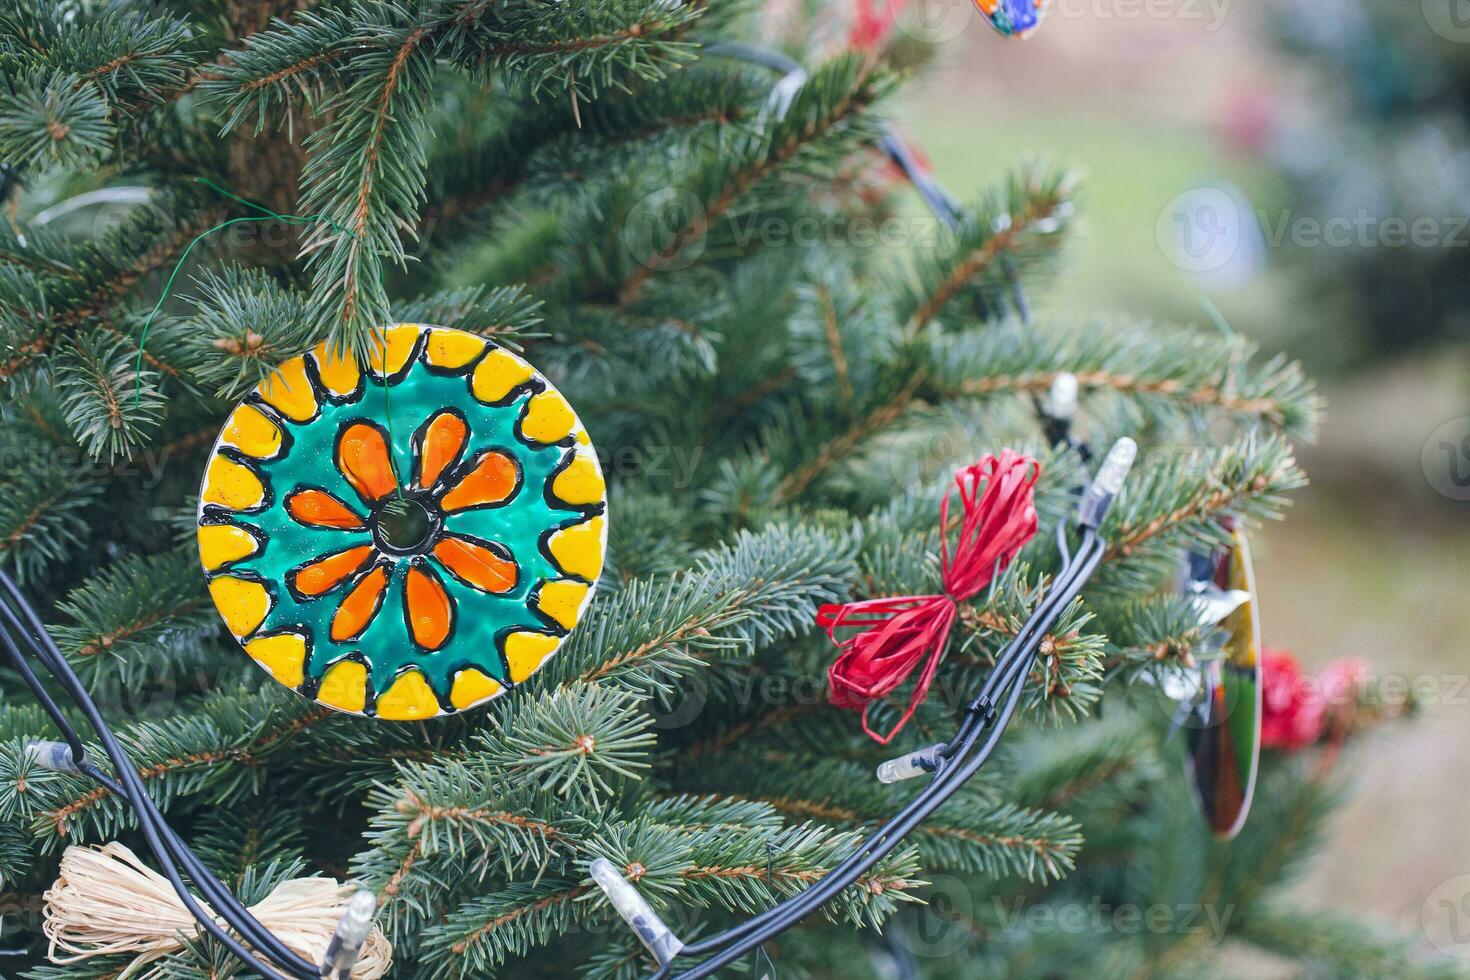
(1012, 18)
(1249, 122)
(1292, 709)
(873, 22)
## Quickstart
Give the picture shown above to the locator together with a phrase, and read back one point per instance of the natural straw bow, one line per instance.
(107, 902)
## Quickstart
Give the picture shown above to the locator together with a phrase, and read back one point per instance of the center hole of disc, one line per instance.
(404, 525)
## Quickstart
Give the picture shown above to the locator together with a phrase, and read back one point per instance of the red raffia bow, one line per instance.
(895, 634)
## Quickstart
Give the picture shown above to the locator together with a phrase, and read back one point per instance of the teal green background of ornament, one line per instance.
(480, 618)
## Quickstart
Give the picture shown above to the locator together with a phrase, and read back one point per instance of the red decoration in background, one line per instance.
(1299, 709)
(1291, 710)
(870, 26)
(896, 634)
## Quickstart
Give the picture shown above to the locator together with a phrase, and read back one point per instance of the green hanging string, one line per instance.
(268, 215)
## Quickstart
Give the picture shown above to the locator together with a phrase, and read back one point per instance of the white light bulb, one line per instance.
(1114, 470)
(639, 915)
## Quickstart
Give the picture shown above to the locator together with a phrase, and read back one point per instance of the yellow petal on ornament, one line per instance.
(231, 484)
(471, 687)
(452, 349)
(409, 699)
(578, 550)
(525, 652)
(284, 655)
(562, 601)
(337, 369)
(242, 603)
(580, 483)
(250, 431)
(500, 373)
(344, 686)
(548, 418)
(220, 544)
(390, 358)
(289, 391)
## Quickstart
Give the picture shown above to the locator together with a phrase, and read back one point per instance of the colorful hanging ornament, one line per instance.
(895, 634)
(406, 540)
(1012, 18)
(1225, 740)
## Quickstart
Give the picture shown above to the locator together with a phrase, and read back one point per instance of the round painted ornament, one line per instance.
(408, 539)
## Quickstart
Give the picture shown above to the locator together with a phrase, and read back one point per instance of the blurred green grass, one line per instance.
(1130, 170)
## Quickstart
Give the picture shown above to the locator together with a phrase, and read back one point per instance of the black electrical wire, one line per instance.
(166, 845)
(956, 767)
(174, 852)
(943, 787)
(20, 626)
(161, 838)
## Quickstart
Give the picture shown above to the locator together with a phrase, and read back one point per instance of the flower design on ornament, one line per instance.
(442, 484)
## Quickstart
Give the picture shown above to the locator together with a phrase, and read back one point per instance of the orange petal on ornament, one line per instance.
(362, 457)
(476, 564)
(492, 480)
(325, 574)
(443, 438)
(430, 613)
(317, 508)
(360, 606)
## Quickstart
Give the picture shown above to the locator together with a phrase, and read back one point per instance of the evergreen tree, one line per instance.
(778, 413)
(1376, 154)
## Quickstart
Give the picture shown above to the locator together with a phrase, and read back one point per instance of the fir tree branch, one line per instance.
(125, 616)
(223, 743)
(825, 108)
(1029, 217)
(1159, 369)
(107, 403)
